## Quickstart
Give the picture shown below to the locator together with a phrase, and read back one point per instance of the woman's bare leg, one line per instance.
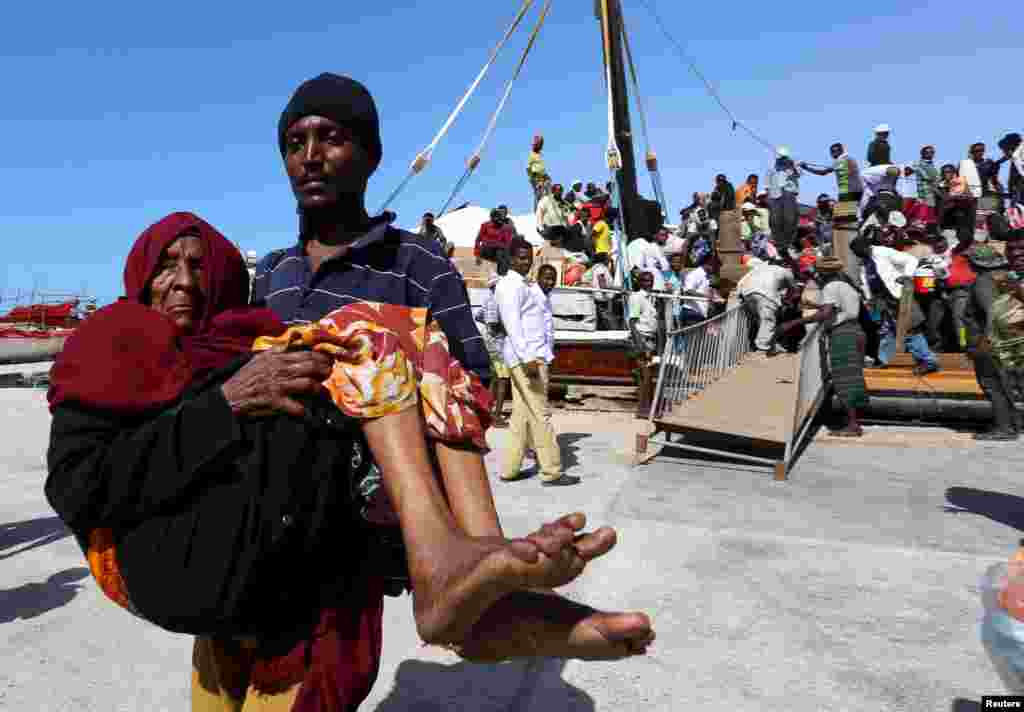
(456, 577)
(530, 624)
(537, 623)
(468, 490)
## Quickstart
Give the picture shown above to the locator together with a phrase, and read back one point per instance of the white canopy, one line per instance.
(461, 226)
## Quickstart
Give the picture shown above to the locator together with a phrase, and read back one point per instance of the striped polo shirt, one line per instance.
(385, 265)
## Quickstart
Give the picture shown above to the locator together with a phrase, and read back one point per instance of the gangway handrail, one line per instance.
(699, 355)
(625, 292)
(812, 386)
(714, 356)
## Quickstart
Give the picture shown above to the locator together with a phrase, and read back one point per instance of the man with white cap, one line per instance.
(753, 223)
(879, 150)
(881, 176)
(880, 183)
(783, 192)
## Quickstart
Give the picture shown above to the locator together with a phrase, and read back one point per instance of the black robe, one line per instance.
(221, 525)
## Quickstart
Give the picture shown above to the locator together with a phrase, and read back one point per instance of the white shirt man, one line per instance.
(693, 226)
(641, 308)
(523, 318)
(551, 212)
(878, 178)
(891, 265)
(528, 351)
(547, 350)
(845, 300)
(697, 283)
(601, 278)
(649, 258)
(490, 317)
(763, 289)
(674, 244)
(767, 280)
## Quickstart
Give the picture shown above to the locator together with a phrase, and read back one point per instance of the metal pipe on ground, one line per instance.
(931, 410)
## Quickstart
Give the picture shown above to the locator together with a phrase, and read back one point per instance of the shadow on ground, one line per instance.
(567, 446)
(1003, 508)
(510, 687)
(31, 532)
(676, 452)
(31, 600)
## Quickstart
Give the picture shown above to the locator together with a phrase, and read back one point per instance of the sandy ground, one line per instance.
(846, 588)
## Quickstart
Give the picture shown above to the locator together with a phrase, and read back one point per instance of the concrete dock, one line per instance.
(846, 588)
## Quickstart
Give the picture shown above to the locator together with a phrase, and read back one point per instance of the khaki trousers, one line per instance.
(531, 424)
(220, 680)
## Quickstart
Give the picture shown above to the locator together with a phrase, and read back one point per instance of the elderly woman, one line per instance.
(213, 490)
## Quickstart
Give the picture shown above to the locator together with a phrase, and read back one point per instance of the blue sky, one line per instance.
(118, 113)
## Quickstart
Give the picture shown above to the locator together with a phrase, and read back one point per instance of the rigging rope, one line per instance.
(614, 157)
(736, 123)
(651, 157)
(474, 159)
(423, 158)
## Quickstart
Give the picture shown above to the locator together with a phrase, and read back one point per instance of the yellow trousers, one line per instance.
(531, 424)
(220, 680)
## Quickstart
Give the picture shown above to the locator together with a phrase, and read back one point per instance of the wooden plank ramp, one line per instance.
(955, 381)
(755, 402)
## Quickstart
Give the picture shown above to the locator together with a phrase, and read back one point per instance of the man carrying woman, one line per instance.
(293, 603)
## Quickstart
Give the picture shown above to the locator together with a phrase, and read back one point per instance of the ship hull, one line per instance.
(597, 358)
(30, 349)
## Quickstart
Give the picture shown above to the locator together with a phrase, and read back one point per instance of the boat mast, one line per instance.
(609, 13)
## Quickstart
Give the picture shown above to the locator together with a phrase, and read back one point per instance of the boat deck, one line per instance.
(955, 381)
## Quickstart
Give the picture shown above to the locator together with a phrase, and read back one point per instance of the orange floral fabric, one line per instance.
(102, 558)
(389, 358)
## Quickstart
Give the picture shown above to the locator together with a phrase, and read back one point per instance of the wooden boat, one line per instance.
(37, 331)
(31, 346)
(600, 358)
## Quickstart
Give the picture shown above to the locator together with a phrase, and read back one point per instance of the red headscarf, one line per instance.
(128, 358)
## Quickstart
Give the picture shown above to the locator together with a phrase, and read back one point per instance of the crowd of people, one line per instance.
(943, 243)
(934, 243)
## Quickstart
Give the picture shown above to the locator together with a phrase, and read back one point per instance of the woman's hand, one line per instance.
(269, 381)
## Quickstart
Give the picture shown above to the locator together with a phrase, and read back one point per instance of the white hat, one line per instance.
(748, 207)
(897, 219)
(493, 280)
(782, 152)
(883, 128)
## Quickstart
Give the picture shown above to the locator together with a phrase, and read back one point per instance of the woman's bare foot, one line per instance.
(455, 585)
(529, 624)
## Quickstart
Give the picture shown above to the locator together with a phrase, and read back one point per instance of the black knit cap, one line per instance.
(340, 99)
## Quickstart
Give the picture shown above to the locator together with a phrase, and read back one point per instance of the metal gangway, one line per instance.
(717, 397)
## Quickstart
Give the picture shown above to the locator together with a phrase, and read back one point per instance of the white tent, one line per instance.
(461, 226)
